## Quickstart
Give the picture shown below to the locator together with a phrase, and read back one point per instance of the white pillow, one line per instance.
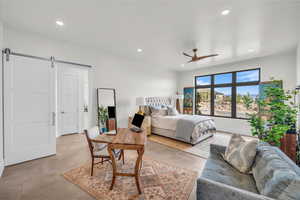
(156, 111)
(172, 111)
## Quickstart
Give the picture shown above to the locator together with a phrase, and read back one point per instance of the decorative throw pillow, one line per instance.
(164, 106)
(240, 153)
(274, 176)
(158, 111)
(154, 108)
(172, 111)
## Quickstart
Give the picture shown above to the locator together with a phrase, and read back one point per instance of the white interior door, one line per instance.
(29, 109)
(68, 99)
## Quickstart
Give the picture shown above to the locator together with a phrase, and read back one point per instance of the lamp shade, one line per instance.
(140, 101)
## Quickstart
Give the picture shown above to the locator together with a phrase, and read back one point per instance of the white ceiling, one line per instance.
(164, 28)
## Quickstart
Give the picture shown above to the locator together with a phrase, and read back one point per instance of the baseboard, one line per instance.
(1, 167)
(230, 133)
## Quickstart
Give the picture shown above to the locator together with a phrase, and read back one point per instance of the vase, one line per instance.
(102, 128)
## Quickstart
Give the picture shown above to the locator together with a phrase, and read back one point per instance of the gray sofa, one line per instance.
(220, 181)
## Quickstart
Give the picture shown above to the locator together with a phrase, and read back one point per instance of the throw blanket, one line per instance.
(186, 125)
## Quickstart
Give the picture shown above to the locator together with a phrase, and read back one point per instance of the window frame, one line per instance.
(234, 84)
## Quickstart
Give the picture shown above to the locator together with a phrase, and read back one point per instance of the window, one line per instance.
(247, 76)
(231, 94)
(246, 100)
(222, 101)
(203, 101)
(203, 80)
(223, 78)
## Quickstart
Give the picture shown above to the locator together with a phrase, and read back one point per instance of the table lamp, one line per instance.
(140, 101)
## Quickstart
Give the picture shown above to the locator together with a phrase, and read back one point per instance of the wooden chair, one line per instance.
(99, 149)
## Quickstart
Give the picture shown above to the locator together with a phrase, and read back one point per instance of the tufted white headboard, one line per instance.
(159, 101)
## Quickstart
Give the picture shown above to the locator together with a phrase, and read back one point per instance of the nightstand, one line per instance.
(146, 124)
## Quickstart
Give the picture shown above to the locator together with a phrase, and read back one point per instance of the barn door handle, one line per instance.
(53, 118)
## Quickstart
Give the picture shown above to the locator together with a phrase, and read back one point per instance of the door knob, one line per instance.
(62, 112)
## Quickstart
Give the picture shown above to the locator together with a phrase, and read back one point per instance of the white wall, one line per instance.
(1, 112)
(298, 79)
(281, 67)
(130, 78)
(298, 64)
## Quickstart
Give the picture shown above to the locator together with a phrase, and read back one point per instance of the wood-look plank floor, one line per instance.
(201, 149)
(42, 179)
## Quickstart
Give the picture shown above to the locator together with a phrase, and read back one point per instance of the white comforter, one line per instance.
(170, 123)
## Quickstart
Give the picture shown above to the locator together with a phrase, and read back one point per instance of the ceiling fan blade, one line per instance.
(208, 56)
(187, 55)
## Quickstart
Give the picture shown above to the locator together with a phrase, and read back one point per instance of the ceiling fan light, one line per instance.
(59, 23)
(225, 12)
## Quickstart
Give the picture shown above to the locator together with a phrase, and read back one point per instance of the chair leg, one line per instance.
(141, 164)
(123, 156)
(120, 156)
(92, 168)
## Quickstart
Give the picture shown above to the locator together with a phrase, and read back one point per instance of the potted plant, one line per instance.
(102, 118)
(277, 115)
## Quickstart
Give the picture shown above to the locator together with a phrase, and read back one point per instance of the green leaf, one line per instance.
(281, 115)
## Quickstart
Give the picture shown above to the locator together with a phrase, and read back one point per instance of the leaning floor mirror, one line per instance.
(107, 119)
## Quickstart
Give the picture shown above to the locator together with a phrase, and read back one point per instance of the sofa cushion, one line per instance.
(288, 161)
(218, 170)
(274, 175)
(240, 153)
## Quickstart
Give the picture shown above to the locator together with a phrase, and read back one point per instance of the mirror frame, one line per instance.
(114, 92)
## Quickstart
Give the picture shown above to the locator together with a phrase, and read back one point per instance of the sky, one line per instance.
(246, 76)
(223, 78)
(253, 90)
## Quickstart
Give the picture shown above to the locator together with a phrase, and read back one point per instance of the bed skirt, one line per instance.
(172, 134)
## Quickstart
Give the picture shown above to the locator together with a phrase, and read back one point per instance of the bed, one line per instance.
(187, 128)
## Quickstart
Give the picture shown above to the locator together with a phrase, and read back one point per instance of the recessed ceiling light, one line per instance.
(225, 12)
(250, 50)
(139, 50)
(60, 23)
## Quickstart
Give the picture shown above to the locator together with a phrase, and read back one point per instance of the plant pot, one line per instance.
(289, 145)
(102, 128)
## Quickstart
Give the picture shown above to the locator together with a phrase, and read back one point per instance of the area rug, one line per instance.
(159, 181)
(201, 149)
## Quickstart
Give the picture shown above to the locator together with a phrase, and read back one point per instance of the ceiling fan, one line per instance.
(195, 58)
